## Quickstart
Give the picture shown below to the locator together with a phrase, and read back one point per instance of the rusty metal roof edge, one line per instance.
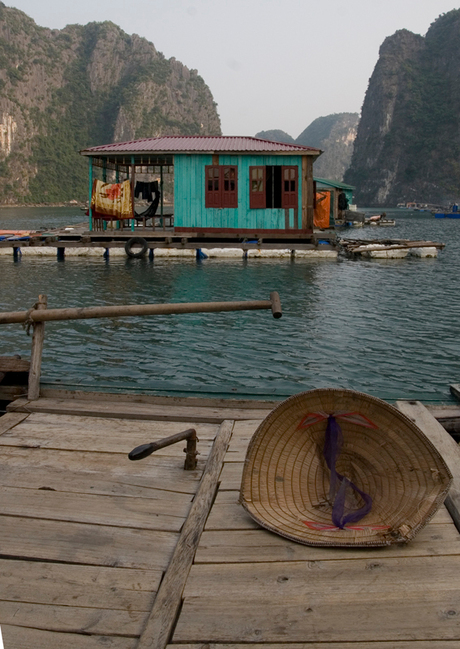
(278, 147)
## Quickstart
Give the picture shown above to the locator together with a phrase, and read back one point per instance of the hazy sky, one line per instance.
(269, 63)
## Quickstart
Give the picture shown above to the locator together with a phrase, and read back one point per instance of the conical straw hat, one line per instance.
(386, 469)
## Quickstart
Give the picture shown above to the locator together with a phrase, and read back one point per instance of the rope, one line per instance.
(28, 322)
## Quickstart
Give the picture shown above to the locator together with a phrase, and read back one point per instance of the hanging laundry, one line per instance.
(112, 199)
(146, 190)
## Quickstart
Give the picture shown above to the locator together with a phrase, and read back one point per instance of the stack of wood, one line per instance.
(356, 246)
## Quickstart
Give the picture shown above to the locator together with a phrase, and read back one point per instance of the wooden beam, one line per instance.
(455, 390)
(162, 618)
(304, 193)
(40, 315)
(310, 195)
(445, 445)
(13, 364)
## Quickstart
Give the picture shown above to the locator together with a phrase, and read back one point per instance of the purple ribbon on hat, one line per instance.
(339, 484)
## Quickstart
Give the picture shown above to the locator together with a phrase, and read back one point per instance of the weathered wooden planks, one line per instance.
(347, 617)
(164, 612)
(328, 578)
(109, 435)
(97, 530)
(455, 390)
(129, 410)
(72, 619)
(446, 446)
(13, 364)
(254, 546)
(98, 545)
(119, 511)
(67, 584)
(73, 471)
(10, 420)
(16, 637)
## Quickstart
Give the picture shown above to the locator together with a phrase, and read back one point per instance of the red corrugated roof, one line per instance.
(199, 144)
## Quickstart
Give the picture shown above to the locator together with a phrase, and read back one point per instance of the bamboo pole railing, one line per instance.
(39, 314)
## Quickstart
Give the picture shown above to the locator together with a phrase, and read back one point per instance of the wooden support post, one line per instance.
(36, 353)
(17, 253)
(310, 212)
(60, 254)
(151, 254)
(133, 180)
(163, 225)
(90, 211)
(304, 190)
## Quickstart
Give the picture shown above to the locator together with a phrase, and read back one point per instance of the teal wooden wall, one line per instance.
(189, 194)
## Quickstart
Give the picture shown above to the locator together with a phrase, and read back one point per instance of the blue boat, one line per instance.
(453, 214)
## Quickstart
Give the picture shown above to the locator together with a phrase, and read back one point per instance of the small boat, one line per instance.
(11, 235)
(453, 213)
(379, 219)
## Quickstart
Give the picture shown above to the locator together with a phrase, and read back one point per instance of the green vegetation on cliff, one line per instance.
(62, 91)
(408, 142)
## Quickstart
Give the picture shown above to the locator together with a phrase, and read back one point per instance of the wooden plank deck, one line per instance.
(86, 536)
(97, 551)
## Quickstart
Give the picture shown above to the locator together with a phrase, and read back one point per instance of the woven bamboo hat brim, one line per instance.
(286, 479)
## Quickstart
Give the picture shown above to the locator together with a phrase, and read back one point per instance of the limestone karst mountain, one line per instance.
(64, 90)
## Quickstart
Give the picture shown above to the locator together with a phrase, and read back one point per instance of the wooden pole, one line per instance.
(90, 211)
(38, 315)
(310, 198)
(36, 353)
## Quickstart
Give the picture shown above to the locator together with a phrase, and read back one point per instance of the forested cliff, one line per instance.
(407, 146)
(64, 90)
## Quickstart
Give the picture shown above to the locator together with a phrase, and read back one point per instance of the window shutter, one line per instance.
(213, 194)
(229, 183)
(289, 187)
(257, 180)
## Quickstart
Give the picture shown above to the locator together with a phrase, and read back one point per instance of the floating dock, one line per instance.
(98, 551)
(390, 248)
(142, 240)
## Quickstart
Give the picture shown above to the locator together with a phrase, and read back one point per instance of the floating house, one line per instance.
(223, 186)
(332, 200)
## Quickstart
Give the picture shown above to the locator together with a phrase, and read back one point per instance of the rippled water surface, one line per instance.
(386, 327)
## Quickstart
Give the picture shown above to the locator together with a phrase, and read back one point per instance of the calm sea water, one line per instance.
(386, 327)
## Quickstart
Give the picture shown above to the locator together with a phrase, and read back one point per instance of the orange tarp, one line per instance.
(322, 210)
(112, 199)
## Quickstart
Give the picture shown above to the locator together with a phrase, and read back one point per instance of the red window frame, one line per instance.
(221, 186)
(257, 187)
(289, 187)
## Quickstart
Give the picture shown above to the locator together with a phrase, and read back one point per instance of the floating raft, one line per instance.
(98, 551)
(390, 248)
